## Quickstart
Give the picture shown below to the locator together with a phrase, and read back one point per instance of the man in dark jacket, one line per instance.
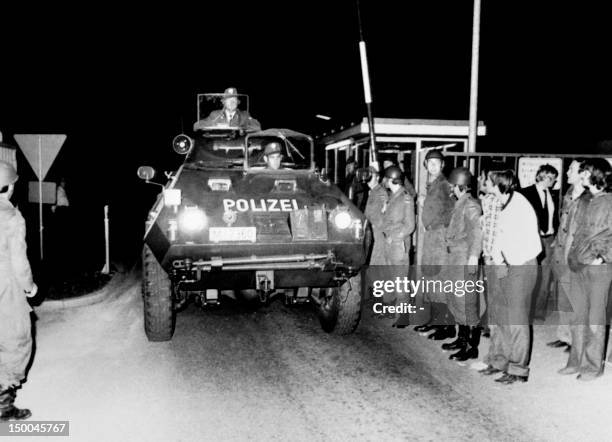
(543, 202)
(590, 257)
(230, 115)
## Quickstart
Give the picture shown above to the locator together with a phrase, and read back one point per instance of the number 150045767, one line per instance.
(49, 428)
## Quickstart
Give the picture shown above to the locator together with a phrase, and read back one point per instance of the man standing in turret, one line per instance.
(230, 115)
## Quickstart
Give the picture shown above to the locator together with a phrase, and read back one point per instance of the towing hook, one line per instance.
(264, 288)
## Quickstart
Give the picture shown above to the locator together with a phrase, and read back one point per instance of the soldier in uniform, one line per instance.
(463, 245)
(436, 208)
(398, 223)
(377, 198)
(230, 115)
(15, 284)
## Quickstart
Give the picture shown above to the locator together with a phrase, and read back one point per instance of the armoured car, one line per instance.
(227, 224)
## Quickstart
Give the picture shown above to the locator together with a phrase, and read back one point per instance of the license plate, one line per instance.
(220, 234)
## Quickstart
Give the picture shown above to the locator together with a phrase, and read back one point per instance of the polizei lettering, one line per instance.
(260, 205)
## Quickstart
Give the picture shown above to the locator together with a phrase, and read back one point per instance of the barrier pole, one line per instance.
(473, 133)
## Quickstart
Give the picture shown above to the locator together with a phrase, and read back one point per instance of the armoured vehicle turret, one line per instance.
(231, 221)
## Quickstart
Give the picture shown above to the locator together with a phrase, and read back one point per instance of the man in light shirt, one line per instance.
(516, 248)
(543, 202)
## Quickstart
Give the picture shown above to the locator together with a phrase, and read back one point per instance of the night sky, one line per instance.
(122, 82)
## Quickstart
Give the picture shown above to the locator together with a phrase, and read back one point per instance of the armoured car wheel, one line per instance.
(157, 295)
(340, 310)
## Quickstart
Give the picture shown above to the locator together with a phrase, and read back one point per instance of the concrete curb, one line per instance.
(89, 299)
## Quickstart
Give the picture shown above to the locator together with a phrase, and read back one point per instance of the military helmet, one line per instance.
(394, 173)
(8, 174)
(272, 147)
(434, 154)
(460, 176)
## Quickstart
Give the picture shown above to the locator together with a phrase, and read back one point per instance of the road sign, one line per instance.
(40, 151)
(49, 192)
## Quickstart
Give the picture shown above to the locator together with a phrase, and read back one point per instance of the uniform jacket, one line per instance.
(464, 233)
(15, 278)
(15, 272)
(438, 204)
(398, 219)
(593, 235)
(533, 196)
(241, 119)
(377, 198)
(373, 211)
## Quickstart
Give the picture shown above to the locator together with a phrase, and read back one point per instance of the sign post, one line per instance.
(106, 268)
(40, 151)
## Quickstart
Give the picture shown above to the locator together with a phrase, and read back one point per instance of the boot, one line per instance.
(461, 340)
(8, 411)
(443, 332)
(425, 328)
(470, 351)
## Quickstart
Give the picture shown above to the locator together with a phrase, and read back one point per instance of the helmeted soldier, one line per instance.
(15, 284)
(436, 208)
(397, 226)
(398, 219)
(463, 246)
(377, 198)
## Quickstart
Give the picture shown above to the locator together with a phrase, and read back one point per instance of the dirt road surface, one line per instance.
(273, 374)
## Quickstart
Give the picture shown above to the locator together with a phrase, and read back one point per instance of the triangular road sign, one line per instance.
(40, 151)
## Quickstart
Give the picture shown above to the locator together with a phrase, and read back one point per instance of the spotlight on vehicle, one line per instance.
(182, 144)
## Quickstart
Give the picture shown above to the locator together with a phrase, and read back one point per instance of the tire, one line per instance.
(159, 316)
(340, 311)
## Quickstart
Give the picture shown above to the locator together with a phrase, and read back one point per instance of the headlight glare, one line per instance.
(191, 220)
(343, 220)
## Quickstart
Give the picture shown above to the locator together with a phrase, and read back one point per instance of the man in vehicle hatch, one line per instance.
(273, 155)
(436, 208)
(230, 115)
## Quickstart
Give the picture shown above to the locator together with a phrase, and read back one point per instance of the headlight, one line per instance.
(191, 220)
(343, 220)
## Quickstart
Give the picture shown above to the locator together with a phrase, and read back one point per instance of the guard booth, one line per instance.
(403, 141)
(8, 153)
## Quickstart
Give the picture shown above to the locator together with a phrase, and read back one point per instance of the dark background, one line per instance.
(122, 82)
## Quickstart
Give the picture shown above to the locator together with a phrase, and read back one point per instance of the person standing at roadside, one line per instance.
(543, 202)
(560, 251)
(397, 225)
(436, 207)
(463, 245)
(16, 284)
(377, 199)
(517, 247)
(589, 258)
